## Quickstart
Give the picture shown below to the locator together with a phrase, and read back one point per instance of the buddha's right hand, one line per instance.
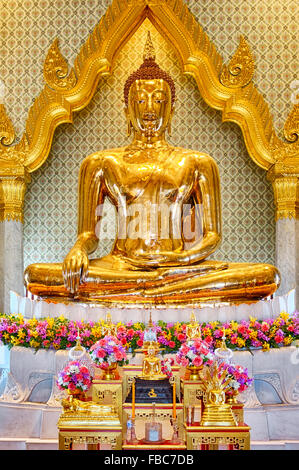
(75, 269)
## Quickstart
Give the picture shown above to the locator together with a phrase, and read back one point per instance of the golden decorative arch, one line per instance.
(228, 88)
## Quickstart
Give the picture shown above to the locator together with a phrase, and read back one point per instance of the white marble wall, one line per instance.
(11, 261)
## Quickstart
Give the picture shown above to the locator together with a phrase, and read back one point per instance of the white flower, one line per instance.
(74, 369)
(234, 384)
(191, 355)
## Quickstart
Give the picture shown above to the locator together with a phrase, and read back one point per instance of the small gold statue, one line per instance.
(193, 328)
(159, 263)
(216, 411)
(108, 328)
(151, 366)
(74, 405)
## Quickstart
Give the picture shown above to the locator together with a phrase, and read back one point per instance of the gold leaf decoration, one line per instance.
(56, 70)
(7, 132)
(239, 71)
(291, 127)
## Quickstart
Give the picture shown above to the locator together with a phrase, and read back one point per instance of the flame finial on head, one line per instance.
(148, 70)
(149, 51)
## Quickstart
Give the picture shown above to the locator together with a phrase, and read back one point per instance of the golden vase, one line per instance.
(193, 373)
(110, 372)
(231, 396)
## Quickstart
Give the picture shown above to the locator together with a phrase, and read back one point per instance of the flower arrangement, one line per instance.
(239, 378)
(75, 377)
(60, 333)
(166, 367)
(195, 353)
(108, 351)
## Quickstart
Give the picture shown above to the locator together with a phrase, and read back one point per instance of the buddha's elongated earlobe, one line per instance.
(129, 127)
(129, 123)
(169, 123)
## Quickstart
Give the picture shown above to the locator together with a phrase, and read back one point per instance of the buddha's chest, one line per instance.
(151, 179)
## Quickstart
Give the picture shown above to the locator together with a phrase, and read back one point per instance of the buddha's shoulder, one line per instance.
(106, 153)
(192, 154)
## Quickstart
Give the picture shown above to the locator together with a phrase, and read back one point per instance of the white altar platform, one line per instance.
(262, 310)
(30, 400)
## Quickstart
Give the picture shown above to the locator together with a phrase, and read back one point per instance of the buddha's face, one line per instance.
(149, 108)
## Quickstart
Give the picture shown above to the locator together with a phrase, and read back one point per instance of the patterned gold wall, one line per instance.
(27, 29)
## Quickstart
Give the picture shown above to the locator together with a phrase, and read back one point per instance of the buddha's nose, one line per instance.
(149, 116)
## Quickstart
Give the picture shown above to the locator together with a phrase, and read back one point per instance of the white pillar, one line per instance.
(287, 255)
(11, 261)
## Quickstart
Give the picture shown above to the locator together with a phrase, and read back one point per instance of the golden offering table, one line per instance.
(107, 392)
(90, 430)
(193, 396)
(164, 413)
(216, 437)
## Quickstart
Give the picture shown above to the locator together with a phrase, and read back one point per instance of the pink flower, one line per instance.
(184, 362)
(265, 327)
(101, 353)
(197, 361)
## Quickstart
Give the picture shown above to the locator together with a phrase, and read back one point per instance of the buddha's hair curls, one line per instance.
(149, 70)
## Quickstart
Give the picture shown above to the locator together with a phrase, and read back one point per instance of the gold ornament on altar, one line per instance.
(223, 354)
(151, 366)
(152, 261)
(108, 328)
(193, 329)
(216, 411)
(72, 404)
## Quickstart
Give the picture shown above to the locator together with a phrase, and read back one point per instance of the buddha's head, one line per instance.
(149, 97)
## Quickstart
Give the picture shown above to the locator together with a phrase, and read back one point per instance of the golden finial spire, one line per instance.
(149, 51)
(150, 323)
(108, 318)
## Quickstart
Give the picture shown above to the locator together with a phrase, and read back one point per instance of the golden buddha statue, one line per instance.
(71, 405)
(108, 328)
(150, 263)
(193, 328)
(151, 366)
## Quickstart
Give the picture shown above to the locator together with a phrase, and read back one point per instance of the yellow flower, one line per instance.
(20, 318)
(14, 341)
(234, 325)
(253, 334)
(241, 342)
(284, 316)
(33, 333)
(34, 344)
(61, 318)
(207, 332)
(50, 322)
(21, 334)
(228, 332)
(287, 340)
(266, 346)
(252, 320)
